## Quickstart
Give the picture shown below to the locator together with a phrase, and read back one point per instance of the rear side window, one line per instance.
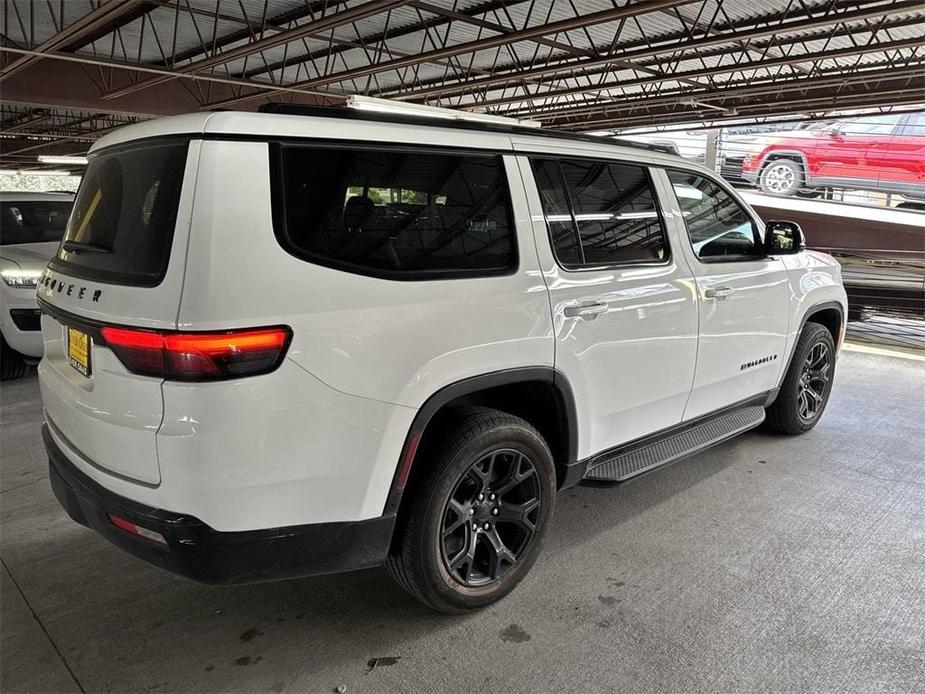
(719, 227)
(121, 228)
(599, 213)
(33, 221)
(395, 214)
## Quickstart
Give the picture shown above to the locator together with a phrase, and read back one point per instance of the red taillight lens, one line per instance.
(198, 356)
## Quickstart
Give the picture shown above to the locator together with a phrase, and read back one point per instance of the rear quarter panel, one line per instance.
(383, 345)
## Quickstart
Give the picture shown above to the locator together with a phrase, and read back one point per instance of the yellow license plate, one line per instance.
(78, 350)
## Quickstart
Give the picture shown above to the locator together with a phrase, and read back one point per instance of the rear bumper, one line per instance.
(197, 551)
(18, 322)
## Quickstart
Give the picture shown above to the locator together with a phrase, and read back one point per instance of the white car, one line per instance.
(31, 227)
(282, 344)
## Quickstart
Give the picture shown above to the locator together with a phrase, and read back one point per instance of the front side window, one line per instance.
(718, 226)
(403, 215)
(599, 212)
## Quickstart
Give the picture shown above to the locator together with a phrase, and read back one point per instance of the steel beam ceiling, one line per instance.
(70, 71)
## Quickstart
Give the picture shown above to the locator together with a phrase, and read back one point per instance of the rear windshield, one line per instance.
(33, 222)
(122, 224)
(395, 214)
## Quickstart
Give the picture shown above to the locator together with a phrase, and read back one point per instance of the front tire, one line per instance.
(12, 365)
(479, 518)
(782, 177)
(807, 385)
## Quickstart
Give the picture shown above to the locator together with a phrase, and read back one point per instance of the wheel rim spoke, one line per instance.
(466, 557)
(519, 514)
(462, 516)
(521, 470)
(500, 554)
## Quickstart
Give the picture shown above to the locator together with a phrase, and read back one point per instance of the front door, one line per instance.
(622, 301)
(743, 295)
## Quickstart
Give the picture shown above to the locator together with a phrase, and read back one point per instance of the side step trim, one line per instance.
(622, 465)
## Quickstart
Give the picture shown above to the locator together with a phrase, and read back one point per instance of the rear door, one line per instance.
(121, 263)
(624, 312)
(902, 161)
(743, 296)
(852, 155)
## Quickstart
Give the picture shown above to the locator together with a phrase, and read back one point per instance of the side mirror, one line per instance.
(783, 238)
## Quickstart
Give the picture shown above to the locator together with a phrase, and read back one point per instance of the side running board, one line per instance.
(635, 459)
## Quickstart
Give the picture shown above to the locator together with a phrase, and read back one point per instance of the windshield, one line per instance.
(122, 227)
(33, 222)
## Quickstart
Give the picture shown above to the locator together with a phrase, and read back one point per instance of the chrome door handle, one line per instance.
(588, 310)
(718, 293)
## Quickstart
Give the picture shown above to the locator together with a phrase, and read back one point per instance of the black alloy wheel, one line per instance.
(476, 517)
(490, 517)
(807, 384)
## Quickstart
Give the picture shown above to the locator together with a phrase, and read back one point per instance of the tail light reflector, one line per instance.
(133, 529)
(210, 356)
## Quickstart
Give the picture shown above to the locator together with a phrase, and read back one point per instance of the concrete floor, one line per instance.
(766, 564)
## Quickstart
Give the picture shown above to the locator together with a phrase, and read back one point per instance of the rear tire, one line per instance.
(782, 177)
(460, 551)
(807, 385)
(12, 365)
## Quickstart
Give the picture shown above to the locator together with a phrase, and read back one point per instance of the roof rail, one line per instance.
(411, 119)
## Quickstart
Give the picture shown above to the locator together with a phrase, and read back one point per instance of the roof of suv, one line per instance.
(23, 196)
(344, 123)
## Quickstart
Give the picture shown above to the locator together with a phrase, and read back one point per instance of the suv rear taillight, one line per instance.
(211, 356)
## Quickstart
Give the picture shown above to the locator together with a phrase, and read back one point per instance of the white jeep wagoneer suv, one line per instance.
(291, 343)
(31, 227)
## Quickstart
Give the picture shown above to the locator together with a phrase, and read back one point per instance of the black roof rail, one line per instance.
(412, 119)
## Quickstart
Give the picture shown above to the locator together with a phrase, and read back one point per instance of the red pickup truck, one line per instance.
(885, 153)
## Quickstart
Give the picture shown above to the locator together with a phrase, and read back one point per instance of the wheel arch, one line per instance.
(829, 314)
(791, 154)
(540, 395)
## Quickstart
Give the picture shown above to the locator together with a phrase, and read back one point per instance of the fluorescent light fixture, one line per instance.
(600, 216)
(56, 159)
(43, 172)
(687, 192)
(702, 104)
(637, 215)
(369, 103)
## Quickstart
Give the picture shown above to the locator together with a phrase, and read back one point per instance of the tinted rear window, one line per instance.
(122, 225)
(599, 212)
(33, 221)
(402, 215)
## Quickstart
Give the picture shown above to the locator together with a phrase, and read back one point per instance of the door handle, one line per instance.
(587, 310)
(718, 293)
